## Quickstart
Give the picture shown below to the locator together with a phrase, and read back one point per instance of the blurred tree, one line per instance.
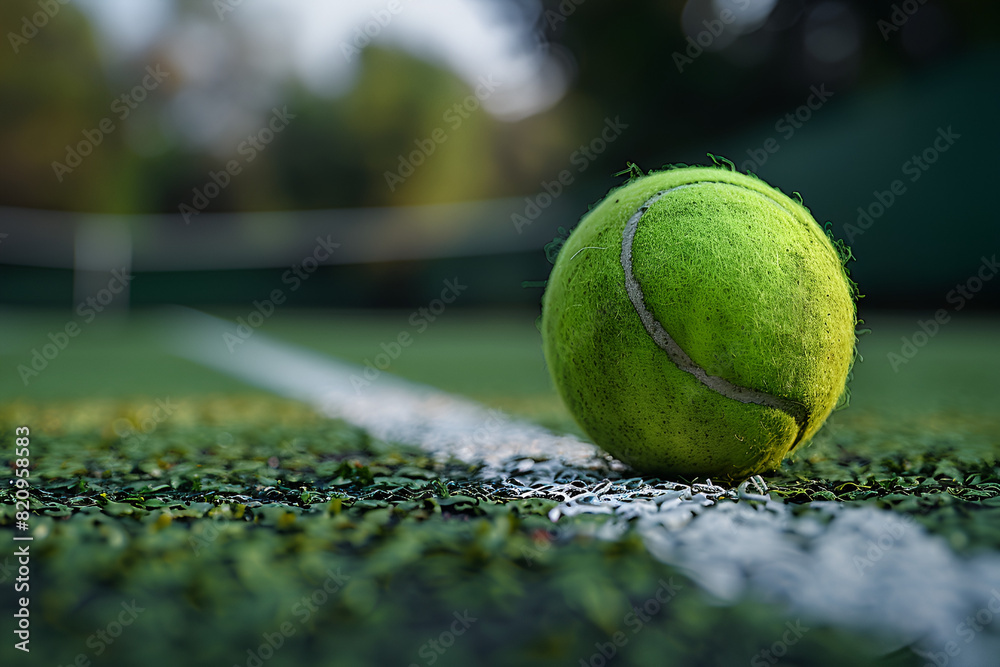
(52, 90)
(362, 147)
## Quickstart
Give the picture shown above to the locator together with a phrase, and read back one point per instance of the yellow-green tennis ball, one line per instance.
(699, 323)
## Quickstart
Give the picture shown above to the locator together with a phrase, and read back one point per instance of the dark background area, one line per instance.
(887, 91)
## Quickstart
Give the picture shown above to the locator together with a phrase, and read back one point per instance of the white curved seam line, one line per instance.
(674, 352)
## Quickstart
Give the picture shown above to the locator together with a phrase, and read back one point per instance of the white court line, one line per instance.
(390, 408)
(872, 570)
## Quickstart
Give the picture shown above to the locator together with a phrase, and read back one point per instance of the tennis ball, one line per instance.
(699, 323)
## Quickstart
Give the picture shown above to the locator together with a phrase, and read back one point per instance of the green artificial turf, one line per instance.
(224, 521)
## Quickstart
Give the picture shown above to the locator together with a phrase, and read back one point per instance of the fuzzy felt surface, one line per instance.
(744, 280)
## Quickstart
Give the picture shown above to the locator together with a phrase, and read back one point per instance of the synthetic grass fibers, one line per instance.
(698, 323)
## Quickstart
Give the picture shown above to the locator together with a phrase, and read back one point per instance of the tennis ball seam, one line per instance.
(665, 341)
